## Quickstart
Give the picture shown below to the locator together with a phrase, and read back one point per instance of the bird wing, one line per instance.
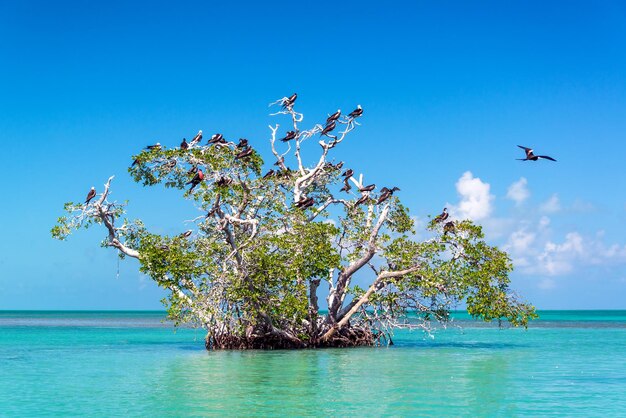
(546, 157)
(526, 148)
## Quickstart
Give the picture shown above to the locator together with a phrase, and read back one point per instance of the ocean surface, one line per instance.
(568, 363)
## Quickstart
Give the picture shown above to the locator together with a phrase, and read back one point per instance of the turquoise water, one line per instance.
(570, 363)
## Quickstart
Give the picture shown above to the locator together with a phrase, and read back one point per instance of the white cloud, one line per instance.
(475, 201)
(534, 253)
(551, 205)
(538, 246)
(518, 191)
(520, 240)
(557, 259)
(580, 205)
(496, 228)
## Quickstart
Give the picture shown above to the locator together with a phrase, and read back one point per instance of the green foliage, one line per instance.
(252, 261)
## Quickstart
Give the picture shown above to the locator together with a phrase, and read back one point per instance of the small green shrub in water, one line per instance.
(252, 270)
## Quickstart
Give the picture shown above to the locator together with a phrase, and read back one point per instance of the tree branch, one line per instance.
(357, 303)
(335, 297)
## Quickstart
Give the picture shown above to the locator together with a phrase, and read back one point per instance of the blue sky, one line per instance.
(449, 89)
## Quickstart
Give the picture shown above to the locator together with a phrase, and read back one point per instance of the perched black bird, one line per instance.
(170, 163)
(334, 116)
(443, 216)
(224, 181)
(448, 227)
(196, 139)
(305, 202)
(245, 153)
(367, 188)
(186, 234)
(356, 112)
(285, 173)
(184, 144)
(289, 101)
(197, 179)
(280, 161)
(243, 143)
(385, 194)
(328, 128)
(135, 162)
(362, 199)
(216, 139)
(346, 187)
(348, 173)
(90, 195)
(532, 157)
(310, 202)
(193, 170)
(339, 165)
(155, 146)
(269, 174)
(289, 136)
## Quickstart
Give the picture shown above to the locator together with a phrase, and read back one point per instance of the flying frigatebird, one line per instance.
(197, 179)
(90, 195)
(532, 157)
(356, 112)
(334, 116)
(442, 216)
